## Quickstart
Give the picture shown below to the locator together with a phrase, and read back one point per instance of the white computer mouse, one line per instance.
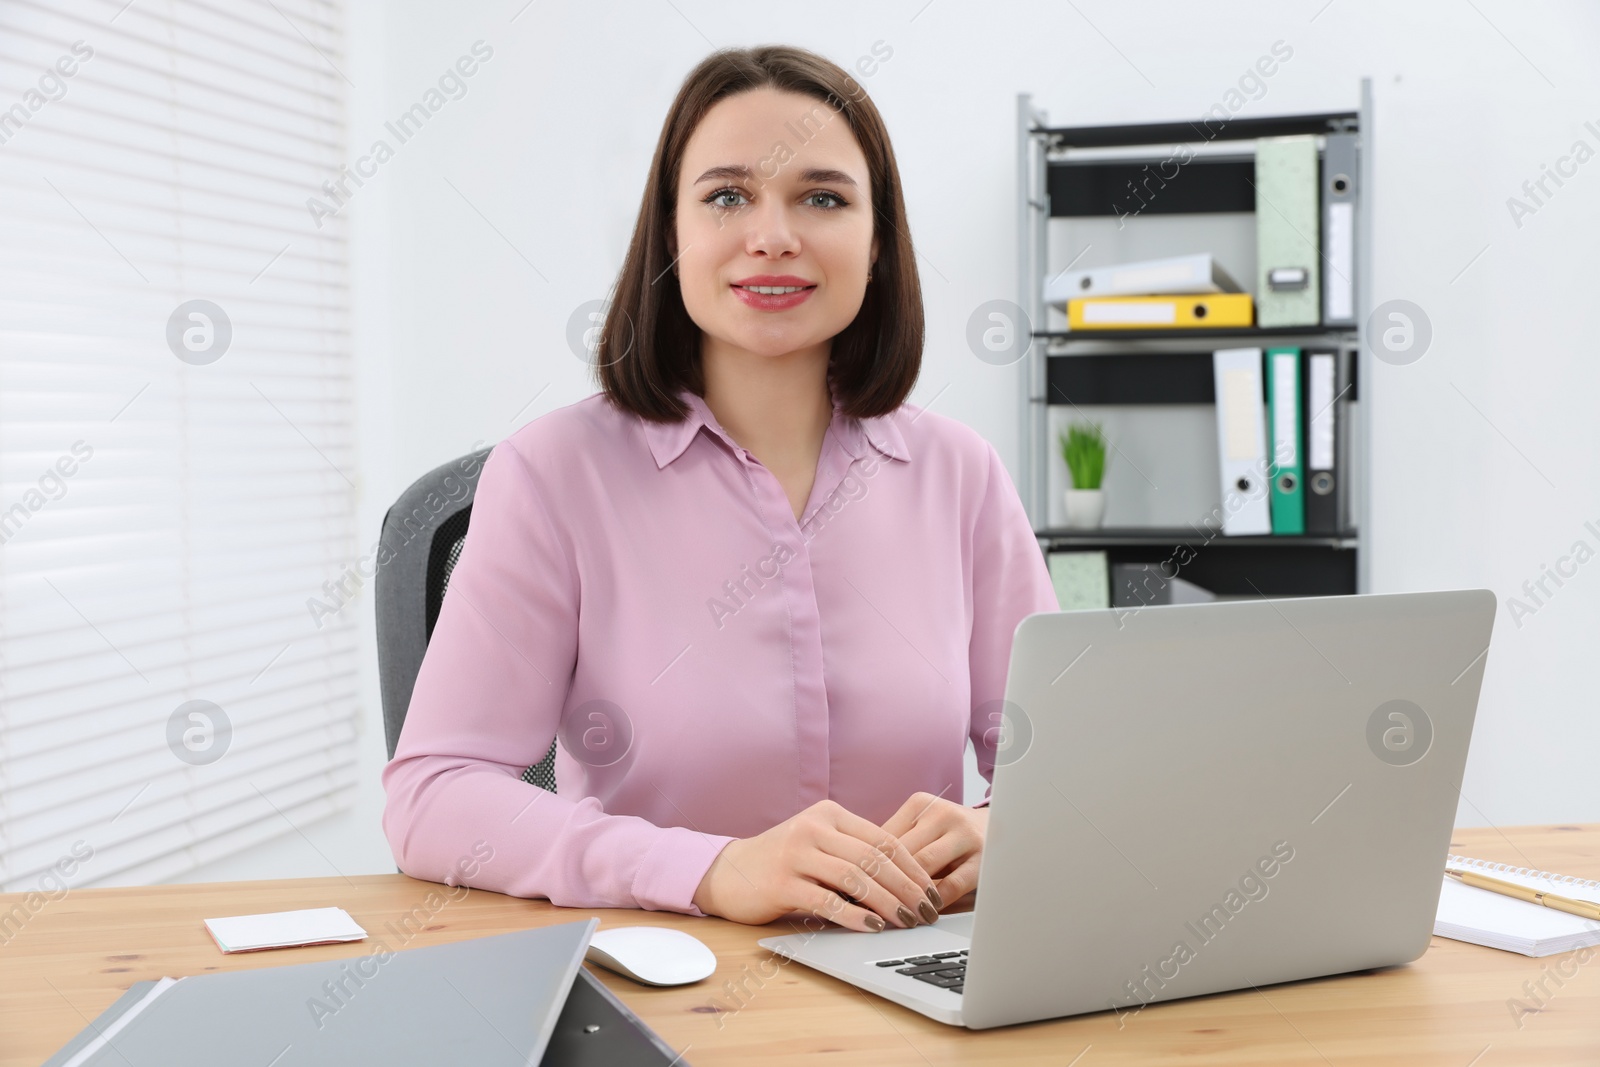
(654, 955)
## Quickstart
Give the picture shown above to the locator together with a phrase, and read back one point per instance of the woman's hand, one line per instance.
(945, 839)
(825, 861)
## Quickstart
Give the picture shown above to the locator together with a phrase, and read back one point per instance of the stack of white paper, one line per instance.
(283, 929)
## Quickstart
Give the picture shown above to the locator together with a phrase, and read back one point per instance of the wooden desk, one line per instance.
(76, 954)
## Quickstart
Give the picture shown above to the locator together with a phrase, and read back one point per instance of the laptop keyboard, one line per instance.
(947, 970)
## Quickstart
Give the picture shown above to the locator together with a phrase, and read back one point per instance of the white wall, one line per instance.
(513, 206)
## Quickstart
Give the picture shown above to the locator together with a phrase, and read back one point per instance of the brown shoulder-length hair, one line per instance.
(874, 361)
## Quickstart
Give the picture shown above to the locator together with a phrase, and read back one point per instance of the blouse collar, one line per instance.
(668, 440)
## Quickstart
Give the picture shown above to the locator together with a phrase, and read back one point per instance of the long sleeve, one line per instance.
(1010, 581)
(488, 699)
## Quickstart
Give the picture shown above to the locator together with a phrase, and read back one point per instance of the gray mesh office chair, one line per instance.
(424, 530)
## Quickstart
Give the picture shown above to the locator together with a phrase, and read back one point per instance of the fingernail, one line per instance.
(933, 895)
(874, 923)
(907, 919)
(925, 909)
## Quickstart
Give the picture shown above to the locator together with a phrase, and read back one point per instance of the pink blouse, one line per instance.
(711, 666)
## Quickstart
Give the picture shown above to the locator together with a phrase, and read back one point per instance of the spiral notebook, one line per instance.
(1482, 917)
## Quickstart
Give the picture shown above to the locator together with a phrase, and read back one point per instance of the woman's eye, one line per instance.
(716, 200)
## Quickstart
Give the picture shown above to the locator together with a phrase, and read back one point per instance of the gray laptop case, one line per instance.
(485, 1001)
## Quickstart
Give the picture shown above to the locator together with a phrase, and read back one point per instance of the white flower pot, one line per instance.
(1085, 508)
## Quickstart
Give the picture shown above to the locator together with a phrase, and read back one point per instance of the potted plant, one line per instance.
(1083, 447)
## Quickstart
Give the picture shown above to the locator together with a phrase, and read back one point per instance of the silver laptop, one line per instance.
(1196, 798)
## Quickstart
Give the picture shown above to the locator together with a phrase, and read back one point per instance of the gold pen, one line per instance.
(1584, 908)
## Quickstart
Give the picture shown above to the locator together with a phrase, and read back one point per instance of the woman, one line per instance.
(762, 601)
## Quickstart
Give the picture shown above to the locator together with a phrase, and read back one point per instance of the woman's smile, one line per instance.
(767, 292)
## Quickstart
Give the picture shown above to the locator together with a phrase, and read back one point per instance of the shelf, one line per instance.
(1085, 177)
(1232, 129)
(1139, 378)
(1230, 333)
(1194, 536)
(1227, 566)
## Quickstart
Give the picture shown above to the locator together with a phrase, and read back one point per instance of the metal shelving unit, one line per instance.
(1053, 183)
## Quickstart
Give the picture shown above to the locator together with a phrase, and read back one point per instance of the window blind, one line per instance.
(178, 672)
